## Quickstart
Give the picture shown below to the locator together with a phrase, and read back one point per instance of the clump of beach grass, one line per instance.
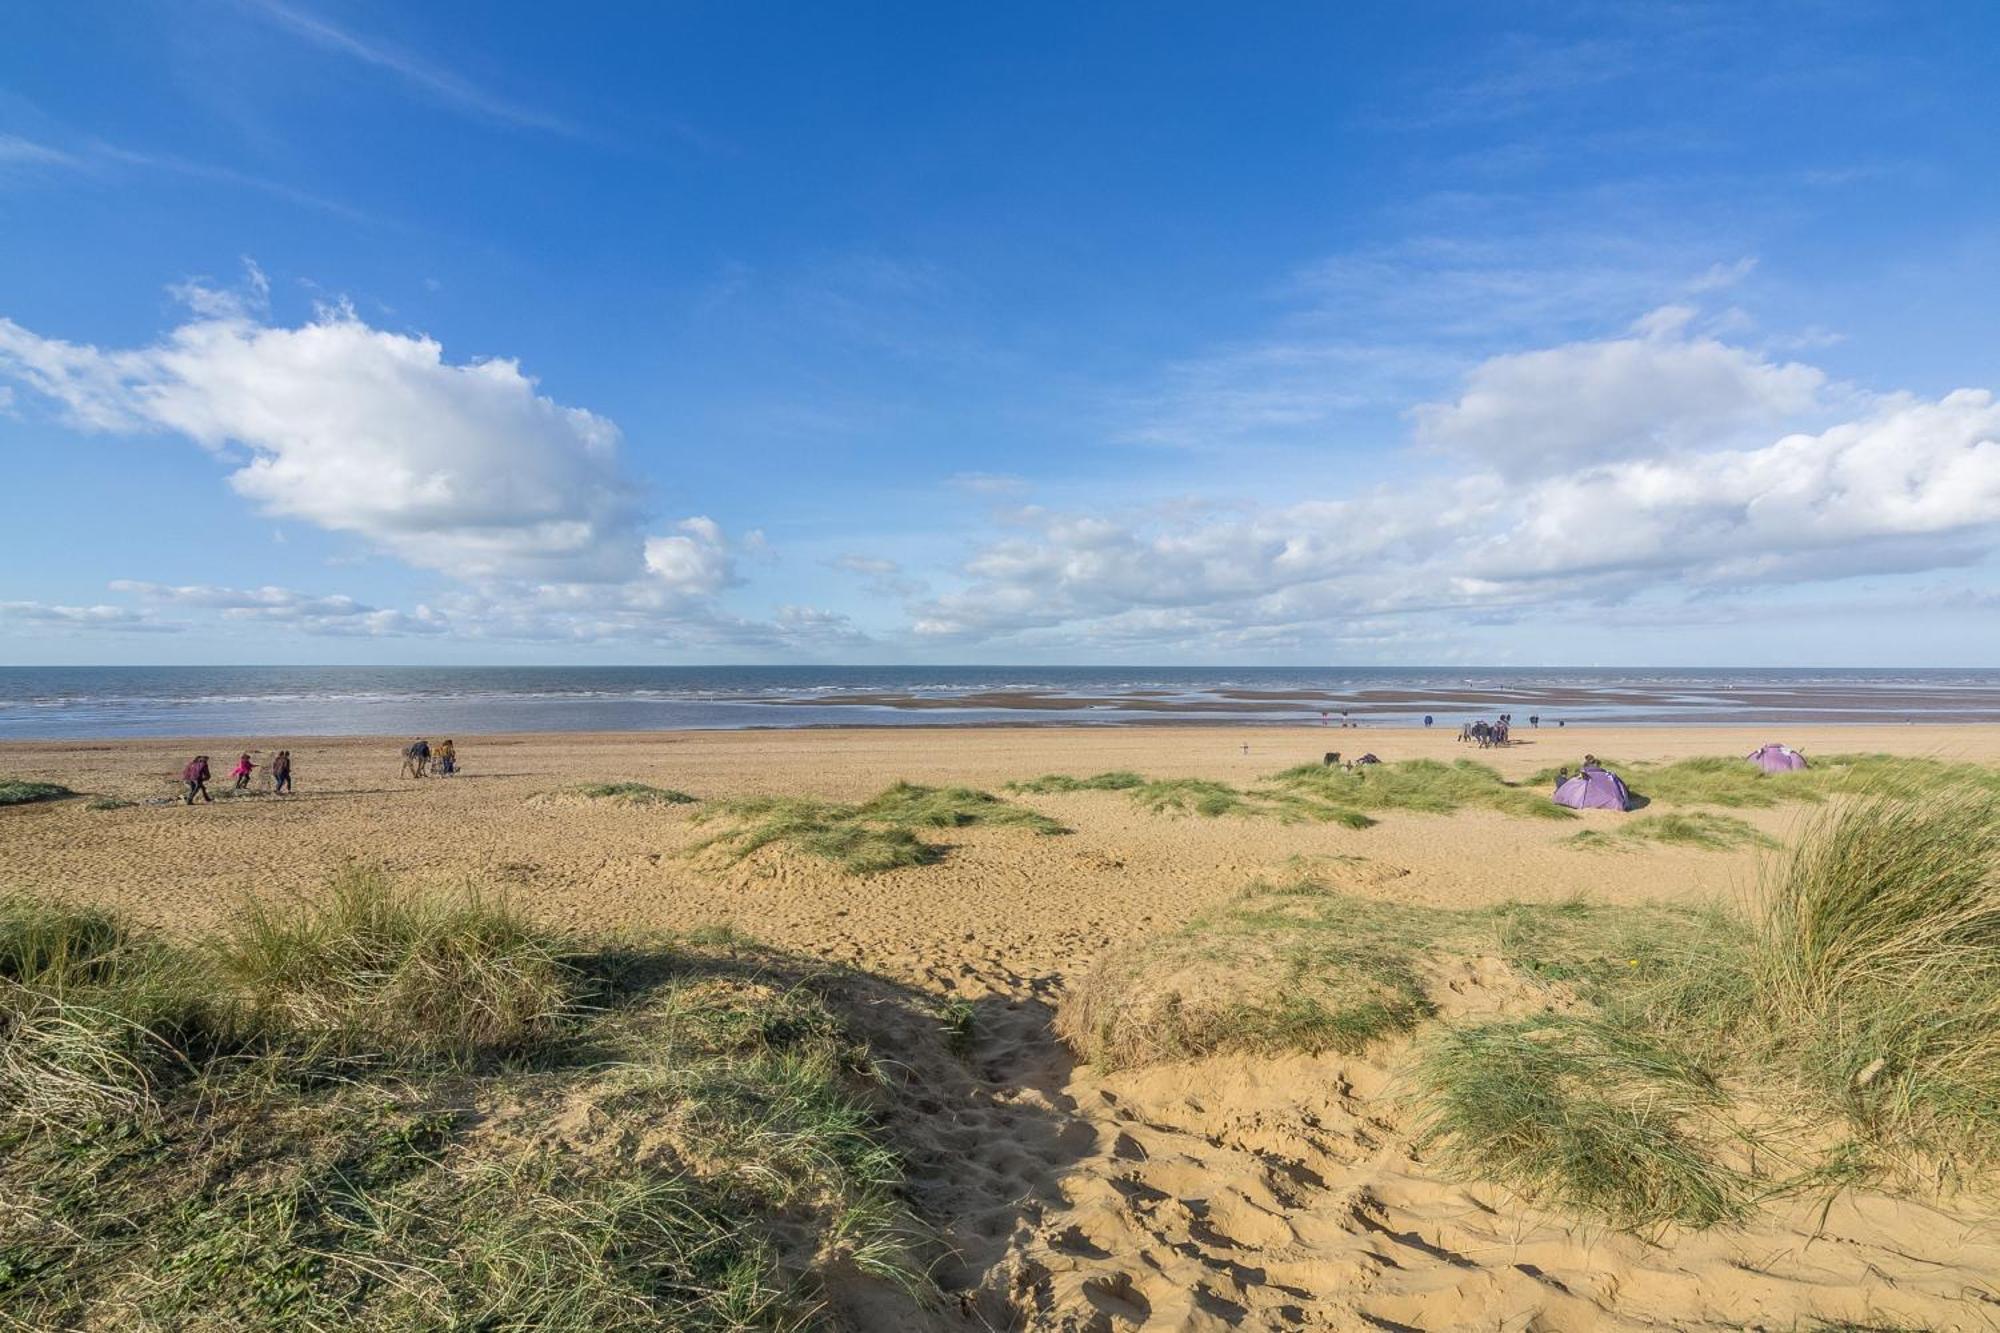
(1735, 783)
(1585, 1116)
(1200, 796)
(261, 1187)
(15, 791)
(371, 964)
(868, 837)
(1426, 786)
(93, 1018)
(632, 793)
(109, 803)
(1855, 1008)
(1878, 968)
(1299, 966)
(1696, 828)
(1117, 780)
(1325, 793)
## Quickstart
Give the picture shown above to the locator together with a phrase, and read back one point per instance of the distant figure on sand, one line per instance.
(416, 758)
(281, 772)
(196, 777)
(244, 768)
(1428, 720)
(447, 760)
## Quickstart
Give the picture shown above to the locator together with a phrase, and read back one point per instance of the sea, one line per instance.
(43, 703)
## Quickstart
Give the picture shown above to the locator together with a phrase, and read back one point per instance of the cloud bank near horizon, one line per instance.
(1662, 461)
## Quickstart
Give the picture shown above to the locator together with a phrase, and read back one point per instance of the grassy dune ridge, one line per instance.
(346, 1116)
(866, 837)
(1682, 1065)
(1313, 793)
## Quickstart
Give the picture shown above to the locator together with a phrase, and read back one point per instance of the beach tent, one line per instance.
(1776, 758)
(1594, 788)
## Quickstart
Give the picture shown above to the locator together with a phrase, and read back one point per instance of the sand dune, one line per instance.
(1232, 1193)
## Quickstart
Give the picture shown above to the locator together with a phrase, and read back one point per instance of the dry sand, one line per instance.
(1251, 1194)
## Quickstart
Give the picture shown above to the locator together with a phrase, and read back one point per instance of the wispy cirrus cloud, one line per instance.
(429, 78)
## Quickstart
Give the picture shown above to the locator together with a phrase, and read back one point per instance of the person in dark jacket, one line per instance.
(281, 772)
(196, 777)
(416, 758)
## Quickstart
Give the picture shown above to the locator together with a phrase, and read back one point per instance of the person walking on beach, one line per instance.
(196, 777)
(416, 758)
(244, 768)
(281, 772)
(447, 759)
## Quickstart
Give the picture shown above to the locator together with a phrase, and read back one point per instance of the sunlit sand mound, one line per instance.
(1374, 1115)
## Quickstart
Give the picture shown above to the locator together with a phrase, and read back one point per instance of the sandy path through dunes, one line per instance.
(1232, 1194)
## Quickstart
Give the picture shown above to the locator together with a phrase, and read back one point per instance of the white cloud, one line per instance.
(73, 618)
(444, 85)
(18, 152)
(695, 561)
(883, 577)
(459, 467)
(335, 614)
(1659, 389)
(1645, 503)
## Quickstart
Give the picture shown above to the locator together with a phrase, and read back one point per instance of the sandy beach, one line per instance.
(1032, 906)
(1165, 1187)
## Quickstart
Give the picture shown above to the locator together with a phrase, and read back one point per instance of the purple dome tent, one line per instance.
(1776, 758)
(1593, 788)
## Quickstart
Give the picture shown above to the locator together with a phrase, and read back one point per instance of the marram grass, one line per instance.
(864, 838)
(186, 1145)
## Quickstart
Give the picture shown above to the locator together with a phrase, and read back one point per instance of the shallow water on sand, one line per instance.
(55, 702)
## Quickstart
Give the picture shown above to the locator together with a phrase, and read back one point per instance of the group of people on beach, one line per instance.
(196, 775)
(419, 759)
(1497, 732)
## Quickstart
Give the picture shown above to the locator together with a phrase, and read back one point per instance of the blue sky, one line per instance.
(1414, 333)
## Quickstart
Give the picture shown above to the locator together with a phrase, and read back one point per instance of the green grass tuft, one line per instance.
(1585, 1116)
(370, 965)
(1300, 966)
(1201, 796)
(1735, 783)
(1425, 786)
(109, 803)
(633, 793)
(876, 835)
(16, 792)
(1121, 780)
(1857, 1008)
(1692, 829)
(1878, 969)
(700, 1151)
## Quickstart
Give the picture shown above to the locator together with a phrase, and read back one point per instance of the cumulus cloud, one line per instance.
(465, 468)
(692, 562)
(1655, 496)
(1659, 389)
